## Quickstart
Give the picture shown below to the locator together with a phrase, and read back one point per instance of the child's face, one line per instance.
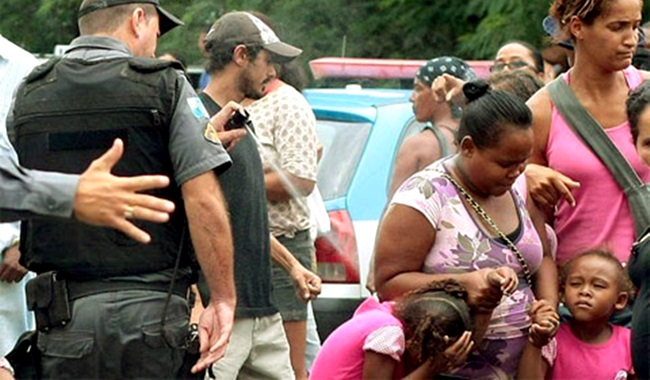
(592, 291)
(643, 141)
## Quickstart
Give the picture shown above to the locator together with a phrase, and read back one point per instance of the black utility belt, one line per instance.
(50, 296)
(80, 289)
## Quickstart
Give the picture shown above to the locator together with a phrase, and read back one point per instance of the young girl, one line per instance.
(427, 332)
(595, 286)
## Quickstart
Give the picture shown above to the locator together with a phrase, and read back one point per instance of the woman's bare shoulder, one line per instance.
(540, 102)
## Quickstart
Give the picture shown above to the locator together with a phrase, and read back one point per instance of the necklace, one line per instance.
(464, 178)
(479, 210)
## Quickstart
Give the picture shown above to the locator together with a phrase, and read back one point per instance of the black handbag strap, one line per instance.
(592, 134)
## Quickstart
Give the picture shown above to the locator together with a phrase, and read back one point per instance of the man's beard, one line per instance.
(250, 89)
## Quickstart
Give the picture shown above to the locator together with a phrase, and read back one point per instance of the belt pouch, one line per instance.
(47, 297)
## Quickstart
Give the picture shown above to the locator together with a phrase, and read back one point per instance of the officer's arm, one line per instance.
(210, 231)
(24, 193)
(212, 240)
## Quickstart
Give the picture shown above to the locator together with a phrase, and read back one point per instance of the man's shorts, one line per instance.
(285, 298)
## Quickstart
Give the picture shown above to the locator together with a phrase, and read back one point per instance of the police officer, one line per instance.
(106, 307)
(97, 197)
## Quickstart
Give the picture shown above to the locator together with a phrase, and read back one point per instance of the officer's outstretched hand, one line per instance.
(215, 328)
(103, 199)
(228, 138)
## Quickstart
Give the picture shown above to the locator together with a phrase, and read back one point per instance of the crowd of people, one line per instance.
(525, 192)
(167, 234)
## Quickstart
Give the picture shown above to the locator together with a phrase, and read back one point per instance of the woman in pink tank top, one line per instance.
(588, 207)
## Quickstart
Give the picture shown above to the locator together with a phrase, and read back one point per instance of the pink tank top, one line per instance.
(601, 216)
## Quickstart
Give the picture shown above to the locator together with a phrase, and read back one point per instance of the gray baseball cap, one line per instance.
(167, 21)
(244, 28)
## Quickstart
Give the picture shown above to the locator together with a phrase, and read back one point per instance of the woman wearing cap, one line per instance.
(436, 139)
(588, 206)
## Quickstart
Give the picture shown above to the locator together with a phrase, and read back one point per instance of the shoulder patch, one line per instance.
(210, 134)
(198, 109)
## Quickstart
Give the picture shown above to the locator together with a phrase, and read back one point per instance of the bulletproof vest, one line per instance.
(67, 113)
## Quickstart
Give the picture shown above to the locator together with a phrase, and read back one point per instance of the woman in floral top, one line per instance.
(458, 219)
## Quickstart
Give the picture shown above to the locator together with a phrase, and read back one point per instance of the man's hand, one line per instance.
(448, 88)
(10, 269)
(103, 199)
(215, 328)
(308, 284)
(228, 138)
(546, 186)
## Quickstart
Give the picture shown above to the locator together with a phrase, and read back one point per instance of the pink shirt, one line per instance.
(373, 327)
(601, 215)
(571, 358)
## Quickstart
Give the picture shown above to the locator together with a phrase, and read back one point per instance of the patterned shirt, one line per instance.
(463, 246)
(286, 129)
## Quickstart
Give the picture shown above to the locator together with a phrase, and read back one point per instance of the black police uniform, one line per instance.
(66, 113)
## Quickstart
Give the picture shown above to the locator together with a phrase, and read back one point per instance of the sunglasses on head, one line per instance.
(514, 65)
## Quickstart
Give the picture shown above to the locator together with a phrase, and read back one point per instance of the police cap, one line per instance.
(167, 20)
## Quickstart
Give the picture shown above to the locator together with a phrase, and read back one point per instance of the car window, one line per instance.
(343, 143)
(412, 127)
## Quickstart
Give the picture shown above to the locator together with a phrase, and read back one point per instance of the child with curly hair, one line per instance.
(594, 286)
(429, 331)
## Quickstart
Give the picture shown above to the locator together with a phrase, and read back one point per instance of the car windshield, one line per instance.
(343, 144)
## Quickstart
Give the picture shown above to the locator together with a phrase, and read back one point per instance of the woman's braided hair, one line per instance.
(430, 313)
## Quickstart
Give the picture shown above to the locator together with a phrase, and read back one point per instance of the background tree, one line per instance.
(470, 29)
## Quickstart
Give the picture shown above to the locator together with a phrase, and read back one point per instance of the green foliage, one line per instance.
(38, 25)
(470, 29)
(503, 20)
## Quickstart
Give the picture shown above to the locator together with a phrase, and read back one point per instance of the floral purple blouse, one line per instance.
(463, 246)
